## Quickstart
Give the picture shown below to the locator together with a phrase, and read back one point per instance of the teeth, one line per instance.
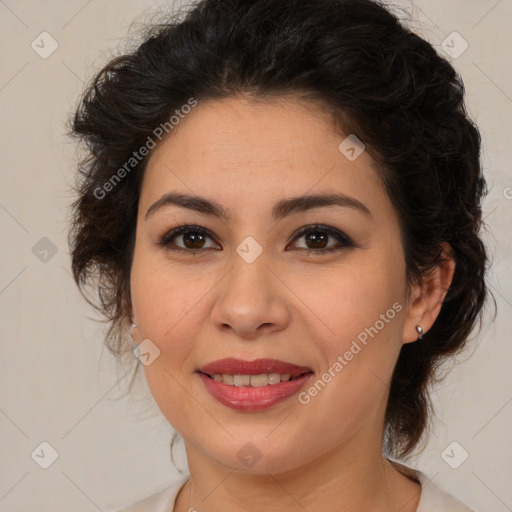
(241, 380)
(252, 380)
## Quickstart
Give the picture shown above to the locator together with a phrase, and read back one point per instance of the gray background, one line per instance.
(58, 382)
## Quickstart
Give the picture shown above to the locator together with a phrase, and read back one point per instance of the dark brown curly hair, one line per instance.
(378, 80)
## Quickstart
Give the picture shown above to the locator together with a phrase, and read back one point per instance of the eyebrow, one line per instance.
(280, 210)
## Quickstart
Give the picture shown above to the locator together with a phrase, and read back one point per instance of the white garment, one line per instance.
(432, 499)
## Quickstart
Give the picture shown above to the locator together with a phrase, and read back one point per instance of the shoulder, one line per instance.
(434, 499)
(162, 501)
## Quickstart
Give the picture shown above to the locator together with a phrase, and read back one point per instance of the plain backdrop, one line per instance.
(59, 384)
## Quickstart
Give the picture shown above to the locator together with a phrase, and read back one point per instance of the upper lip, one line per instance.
(233, 366)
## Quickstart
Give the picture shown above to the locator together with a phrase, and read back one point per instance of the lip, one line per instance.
(234, 366)
(253, 398)
(247, 398)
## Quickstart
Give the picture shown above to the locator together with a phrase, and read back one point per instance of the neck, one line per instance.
(353, 479)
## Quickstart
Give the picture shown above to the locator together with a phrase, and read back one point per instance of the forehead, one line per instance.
(241, 150)
(242, 127)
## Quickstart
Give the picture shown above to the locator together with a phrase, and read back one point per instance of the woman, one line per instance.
(281, 205)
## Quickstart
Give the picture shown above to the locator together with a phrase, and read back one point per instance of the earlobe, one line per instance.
(427, 299)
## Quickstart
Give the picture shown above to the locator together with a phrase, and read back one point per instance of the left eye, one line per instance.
(315, 237)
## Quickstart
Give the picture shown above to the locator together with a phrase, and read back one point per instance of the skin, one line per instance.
(287, 304)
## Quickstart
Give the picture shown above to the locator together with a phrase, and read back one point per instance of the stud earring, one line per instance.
(420, 332)
(134, 325)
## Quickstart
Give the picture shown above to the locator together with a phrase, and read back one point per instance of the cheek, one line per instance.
(363, 308)
(169, 303)
(165, 314)
(165, 295)
(351, 299)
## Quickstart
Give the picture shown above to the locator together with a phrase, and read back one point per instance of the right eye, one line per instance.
(192, 238)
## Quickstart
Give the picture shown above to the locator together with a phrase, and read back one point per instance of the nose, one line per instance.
(252, 301)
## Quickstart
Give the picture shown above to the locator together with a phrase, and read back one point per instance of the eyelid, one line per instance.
(181, 229)
(342, 238)
(334, 232)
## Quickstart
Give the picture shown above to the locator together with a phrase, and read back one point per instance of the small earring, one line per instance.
(134, 325)
(420, 332)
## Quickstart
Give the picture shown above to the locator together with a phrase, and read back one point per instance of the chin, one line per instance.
(258, 457)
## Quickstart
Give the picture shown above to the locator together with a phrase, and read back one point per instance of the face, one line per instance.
(317, 285)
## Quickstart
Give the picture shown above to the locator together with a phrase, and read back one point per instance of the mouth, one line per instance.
(256, 373)
(253, 385)
(256, 381)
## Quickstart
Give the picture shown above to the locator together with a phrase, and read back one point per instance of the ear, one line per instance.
(427, 298)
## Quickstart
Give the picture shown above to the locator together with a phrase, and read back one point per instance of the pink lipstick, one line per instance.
(253, 385)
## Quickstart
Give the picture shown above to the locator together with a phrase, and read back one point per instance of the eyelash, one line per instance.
(165, 241)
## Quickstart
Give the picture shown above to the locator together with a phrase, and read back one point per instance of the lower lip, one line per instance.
(253, 398)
